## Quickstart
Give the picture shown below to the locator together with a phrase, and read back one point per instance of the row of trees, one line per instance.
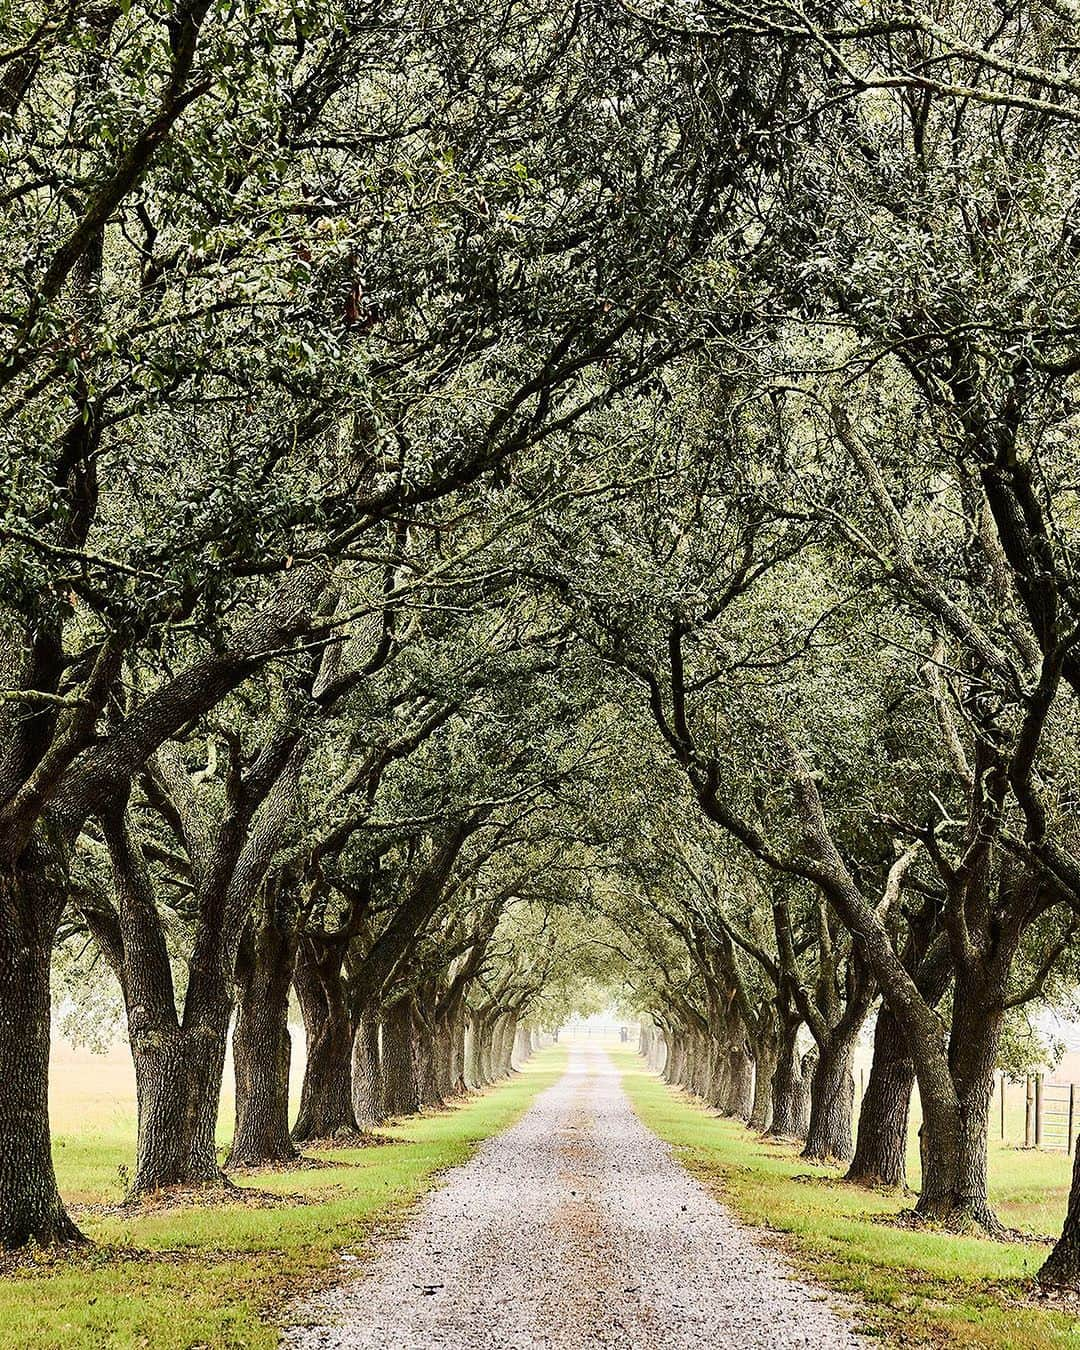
(497, 499)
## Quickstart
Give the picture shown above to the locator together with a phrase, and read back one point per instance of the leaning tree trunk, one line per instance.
(832, 1101)
(262, 1049)
(30, 1205)
(367, 1084)
(400, 1095)
(881, 1145)
(1061, 1268)
(326, 1096)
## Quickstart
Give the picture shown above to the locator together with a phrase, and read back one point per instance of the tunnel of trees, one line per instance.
(553, 498)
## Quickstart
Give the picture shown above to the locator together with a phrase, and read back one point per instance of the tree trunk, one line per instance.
(30, 1205)
(484, 1033)
(457, 1052)
(681, 1062)
(472, 1052)
(664, 1067)
(1062, 1267)
(766, 1049)
(699, 1067)
(178, 1087)
(367, 1084)
(426, 1054)
(714, 1085)
(685, 1060)
(955, 1119)
(262, 1049)
(656, 1057)
(502, 1054)
(790, 1088)
(495, 1049)
(881, 1145)
(676, 1061)
(399, 1071)
(443, 1053)
(326, 1097)
(738, 1098)
(672, 1044)
(832, 1099)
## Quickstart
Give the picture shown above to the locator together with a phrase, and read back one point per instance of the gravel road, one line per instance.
(575, 1228)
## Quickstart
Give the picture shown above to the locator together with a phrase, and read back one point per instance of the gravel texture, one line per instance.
(577, 1227)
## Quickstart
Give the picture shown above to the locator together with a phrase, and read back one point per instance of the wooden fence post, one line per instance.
(1072, 1113)
(1038, 1110)
(1029, 1112)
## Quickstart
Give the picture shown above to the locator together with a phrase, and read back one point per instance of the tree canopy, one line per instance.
(513, 508)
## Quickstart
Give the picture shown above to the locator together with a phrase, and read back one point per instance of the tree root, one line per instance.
(962, 1222)
(350, 1139)
(300, 1162)
(211, 1196)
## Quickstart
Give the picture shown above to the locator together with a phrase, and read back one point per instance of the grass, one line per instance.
(206, 1276)
(913, 1287)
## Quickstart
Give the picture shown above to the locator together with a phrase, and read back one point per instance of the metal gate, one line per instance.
(1055, 1113)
